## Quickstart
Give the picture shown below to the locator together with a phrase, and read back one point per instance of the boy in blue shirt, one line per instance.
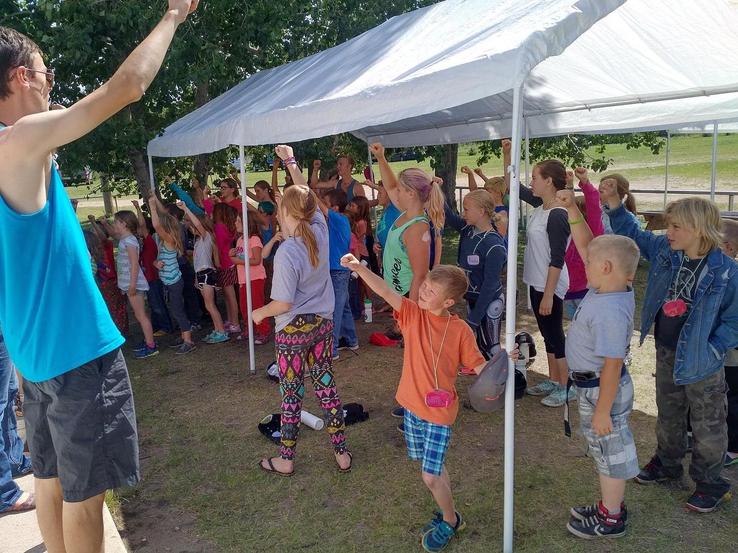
(339, 241)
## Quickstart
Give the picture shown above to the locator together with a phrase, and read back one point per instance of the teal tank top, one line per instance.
(395, 261)
(52, 314)
(169, 273)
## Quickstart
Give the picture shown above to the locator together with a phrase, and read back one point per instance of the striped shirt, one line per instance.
(169, 273)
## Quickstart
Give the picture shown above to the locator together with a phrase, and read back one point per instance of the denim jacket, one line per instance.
(711, 328)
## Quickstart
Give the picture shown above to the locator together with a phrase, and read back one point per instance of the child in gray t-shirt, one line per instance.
(302, 305)
(596, 350)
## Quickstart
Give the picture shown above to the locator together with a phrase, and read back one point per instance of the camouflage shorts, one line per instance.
(615, 453)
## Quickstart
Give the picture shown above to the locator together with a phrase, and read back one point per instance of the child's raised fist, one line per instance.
(283, 151)
(566, 198)
(506, 145)
(350, 262)
(377, 149)
(569, 178)
(465, 169)
(582, 174)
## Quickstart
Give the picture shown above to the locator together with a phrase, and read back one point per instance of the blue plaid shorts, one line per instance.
(427, 442)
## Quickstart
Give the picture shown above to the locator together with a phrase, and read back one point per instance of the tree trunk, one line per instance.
(107, 194)
(445, 167)
(140, 164)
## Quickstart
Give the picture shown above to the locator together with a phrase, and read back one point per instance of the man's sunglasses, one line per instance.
(49, 75)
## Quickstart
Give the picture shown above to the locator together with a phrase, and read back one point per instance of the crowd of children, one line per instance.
(581, 255)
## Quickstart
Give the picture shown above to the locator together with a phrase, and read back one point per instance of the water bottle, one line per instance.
(367, 310)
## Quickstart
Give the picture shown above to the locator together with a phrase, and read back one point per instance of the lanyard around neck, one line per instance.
(440, 349)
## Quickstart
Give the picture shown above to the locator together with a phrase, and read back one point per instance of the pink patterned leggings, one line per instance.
(306, 345)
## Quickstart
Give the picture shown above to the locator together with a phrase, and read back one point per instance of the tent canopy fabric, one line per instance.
(392, 72)
(648, 65)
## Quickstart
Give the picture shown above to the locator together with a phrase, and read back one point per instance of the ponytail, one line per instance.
(623, 187)
(436, 201)
(304, 231)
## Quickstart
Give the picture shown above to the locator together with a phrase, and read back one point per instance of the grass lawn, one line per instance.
(202, 491)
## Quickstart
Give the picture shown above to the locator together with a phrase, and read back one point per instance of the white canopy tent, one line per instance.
(477, 69)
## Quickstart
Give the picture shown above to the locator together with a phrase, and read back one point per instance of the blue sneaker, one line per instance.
(436, 520)
(216, 337)
(438, 538)
(140, 347)
(146, 352)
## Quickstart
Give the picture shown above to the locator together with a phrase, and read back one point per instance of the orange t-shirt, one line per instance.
(459, 349)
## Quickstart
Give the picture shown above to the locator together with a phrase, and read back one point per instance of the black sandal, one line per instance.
(273, 469)
(348, 468)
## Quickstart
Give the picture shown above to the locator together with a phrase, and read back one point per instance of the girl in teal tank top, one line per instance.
(406, 256)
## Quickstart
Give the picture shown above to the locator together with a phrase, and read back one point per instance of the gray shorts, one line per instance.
(81, 428)
(615, 453)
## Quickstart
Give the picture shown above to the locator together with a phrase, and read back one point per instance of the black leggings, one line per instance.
(551, 326)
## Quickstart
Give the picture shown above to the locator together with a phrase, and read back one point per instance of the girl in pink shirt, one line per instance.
(258, 277)
(224, 217)
(591, 210)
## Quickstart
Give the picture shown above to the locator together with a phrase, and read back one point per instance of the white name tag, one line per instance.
(472, 259)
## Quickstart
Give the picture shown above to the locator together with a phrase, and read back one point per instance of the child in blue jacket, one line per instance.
(692, 298)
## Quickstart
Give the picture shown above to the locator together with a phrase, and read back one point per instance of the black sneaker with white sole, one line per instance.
(600, 525)
(704, 503)
(654, 472)
(398, 412)
(587, 511)
(343, 345)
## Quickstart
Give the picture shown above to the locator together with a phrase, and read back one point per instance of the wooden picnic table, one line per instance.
(655, 219)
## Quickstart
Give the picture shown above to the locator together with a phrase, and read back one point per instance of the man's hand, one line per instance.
(601, 422)
(182, 8)
(377, 150)
(284, 152)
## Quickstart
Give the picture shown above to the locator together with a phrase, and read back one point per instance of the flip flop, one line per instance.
(273, 469)
(21, 506)
(348, 468)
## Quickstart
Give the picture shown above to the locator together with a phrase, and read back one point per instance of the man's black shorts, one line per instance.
(81, 428)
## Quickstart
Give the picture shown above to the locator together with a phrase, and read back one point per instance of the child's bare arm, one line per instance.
(580, 231)
(375, 282)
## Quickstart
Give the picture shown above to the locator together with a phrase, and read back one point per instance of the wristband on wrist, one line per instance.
(289, 161)
(576, 221)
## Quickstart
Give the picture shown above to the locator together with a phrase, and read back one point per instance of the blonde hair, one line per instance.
(496, 184)
(483, 200)
(700, 214)
(620, 250)
(429, 192)
(170, 225)
(129, 219)
(300, 202)
(730, 232)
(452, 279)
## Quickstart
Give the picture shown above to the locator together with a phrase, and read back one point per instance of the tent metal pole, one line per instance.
(511, 293)
(151, 174)
(371, 175)
(246, 253)
(666, 175)
(527, 166)
(713, 177)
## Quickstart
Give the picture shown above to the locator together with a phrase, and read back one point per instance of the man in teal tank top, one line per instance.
(56, 326)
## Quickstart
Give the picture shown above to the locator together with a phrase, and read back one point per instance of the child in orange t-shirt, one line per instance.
(436, 344)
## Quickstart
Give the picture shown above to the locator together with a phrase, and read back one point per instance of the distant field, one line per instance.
(689, 168)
